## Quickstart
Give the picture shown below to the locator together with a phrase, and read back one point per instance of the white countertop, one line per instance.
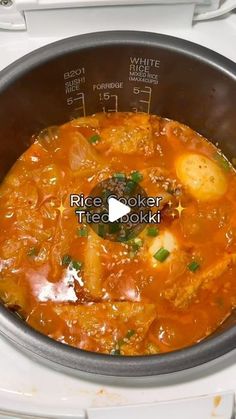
(219, 35)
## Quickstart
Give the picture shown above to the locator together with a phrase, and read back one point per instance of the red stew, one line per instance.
(170, 287)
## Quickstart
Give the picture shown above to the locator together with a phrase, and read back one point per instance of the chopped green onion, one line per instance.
(32, 252)
(122, 239)
(66, 260)
(113, 227)
(82, 232)
(101, 230)
(193, 266)
(138, 241)
(130, 333)
(94, 139)
(135, 249)
(222, 161)
(115, 352)
(130, 186)
(136, 177)
(128, 336)
(162, 254)
(119, 176)
(136, 244)
(76, 264)
(152, 231)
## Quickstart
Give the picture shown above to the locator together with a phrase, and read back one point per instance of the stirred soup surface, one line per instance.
(168, 287)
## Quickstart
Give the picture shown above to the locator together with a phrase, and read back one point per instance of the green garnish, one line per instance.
(222, 161)
(137, 243)
(136, 177)
(101, 230)
(130, 186)
(193, 266)
(82, 232)
(130, 333)
(119, 176)
(152, 231)
(32, 252)
(113, 227)
(66, 260)
(162, 254)
(115, 352)
(127, 337)
(122, 239)
(94, 139)
(76, 264)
